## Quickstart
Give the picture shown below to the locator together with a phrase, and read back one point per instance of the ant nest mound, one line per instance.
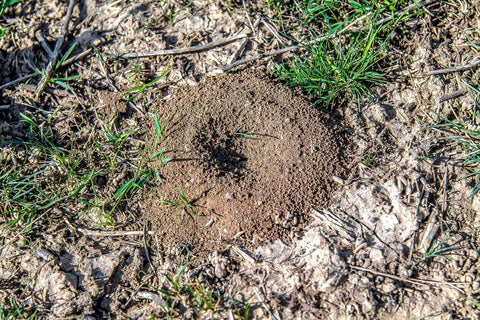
(249, 159)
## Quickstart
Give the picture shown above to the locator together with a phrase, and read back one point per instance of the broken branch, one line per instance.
(191, 49)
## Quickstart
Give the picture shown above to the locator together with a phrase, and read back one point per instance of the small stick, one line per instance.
(145, 245)
(273, 31)
(95, 43)
(247, 14)
(35, 108)
(137, 290)
(43, 42)
(453, 95)
(258, 56)
(412, 247)
(191, 49)
(244, 255)
(50, 69)
(114, 233)
(108, 233)
(154, 297)
(470, 65)
(411, 281)
(263, 304)
(445, 184)
(240, 62)
(21, 79)
(239, 51)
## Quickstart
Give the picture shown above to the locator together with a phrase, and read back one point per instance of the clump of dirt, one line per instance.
(250, 155)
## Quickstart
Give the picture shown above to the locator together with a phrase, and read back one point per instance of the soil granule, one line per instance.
(250, 155)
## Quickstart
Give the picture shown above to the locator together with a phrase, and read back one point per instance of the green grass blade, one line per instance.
(66, 55)
(123, 190)
(247, 135)
(158, 130)
(157, 154)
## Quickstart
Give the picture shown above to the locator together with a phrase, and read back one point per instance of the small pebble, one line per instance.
(338, 180)
(476, 285)
(45, 254)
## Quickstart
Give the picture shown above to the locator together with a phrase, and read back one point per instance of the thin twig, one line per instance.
(94, 233)
(154, 297)
(445, 184)
(263, 304)
(240, 49)
(43, 42)
(50, 69)
(21, 79)
(247, 14)
(259, 56)
(244, 255)
(240, 62)
(35, 108)
(411, 281)
(191, 49)
(137, 290)
(453, 95)
(273, 31)
(471, 65)
(113, 233)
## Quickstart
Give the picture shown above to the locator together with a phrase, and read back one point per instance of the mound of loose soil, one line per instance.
(251, 155)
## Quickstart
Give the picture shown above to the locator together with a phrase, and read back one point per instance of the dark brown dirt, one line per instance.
(250, 188)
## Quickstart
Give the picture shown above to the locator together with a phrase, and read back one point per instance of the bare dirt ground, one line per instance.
(260, 205)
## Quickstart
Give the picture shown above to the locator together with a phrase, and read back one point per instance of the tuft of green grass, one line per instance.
(468, 138)
(331, 71)
(179, 293)
(472, 301)
(187, 204)
(117, 141)
(324, 17)
(158, 131)
(16, 312)
(159, 154)
(343, 43)
(438, 249)
(141, 87)
(31, 186)
(368, 161)
(175, 8)
(158, 138)
(62, 82)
